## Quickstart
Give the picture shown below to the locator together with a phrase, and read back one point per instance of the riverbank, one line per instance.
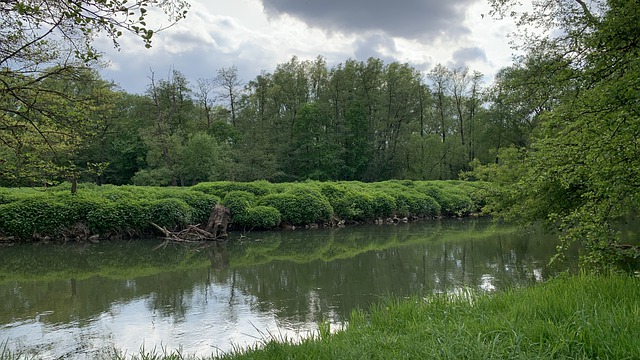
(570, 317)
(99, 212)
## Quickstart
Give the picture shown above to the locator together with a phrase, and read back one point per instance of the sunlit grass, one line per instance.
(570, 317)
(582, 317)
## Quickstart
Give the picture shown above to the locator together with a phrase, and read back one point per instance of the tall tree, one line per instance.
(583, 170)
(44, 39)
(171, 110)
(229, 88)
(71, 109)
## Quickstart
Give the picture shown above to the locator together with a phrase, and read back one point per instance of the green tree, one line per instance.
(315, 155)
(171, 116)
(229, 88)
(201, 158)
(42, 42)
(255, 153)
(48, 141)
(582, 172)
(118, 142)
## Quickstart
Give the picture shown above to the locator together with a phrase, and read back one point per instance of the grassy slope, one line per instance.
(582, 317)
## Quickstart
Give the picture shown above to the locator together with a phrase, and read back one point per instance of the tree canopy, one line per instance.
(582, 170)
(48, 92)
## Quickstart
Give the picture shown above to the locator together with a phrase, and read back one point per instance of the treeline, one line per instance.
(108, 211)
(366, 121)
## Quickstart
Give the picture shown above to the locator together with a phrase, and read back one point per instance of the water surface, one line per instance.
(79, 301)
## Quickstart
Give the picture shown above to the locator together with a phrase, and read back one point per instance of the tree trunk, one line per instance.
(218, 221)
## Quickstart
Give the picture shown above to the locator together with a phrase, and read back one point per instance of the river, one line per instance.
(81, 301)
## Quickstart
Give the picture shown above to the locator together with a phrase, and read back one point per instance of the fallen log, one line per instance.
(216, 228)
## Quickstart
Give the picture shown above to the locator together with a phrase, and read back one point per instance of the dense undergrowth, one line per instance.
(124, 211)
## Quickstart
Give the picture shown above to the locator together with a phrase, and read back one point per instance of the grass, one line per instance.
(570, 317)
(581, 317)
(7, 354)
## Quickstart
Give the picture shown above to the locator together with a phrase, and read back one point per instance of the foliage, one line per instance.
(581, 172)
(53, 106)
(383, 204)
(32, 215)
(354, 206)
(580, 317)
(300, 206)
(258, 217)
(220, 188)
(200, 204)
(125, 216)
(170, 213)
(238, 201)
(128, 210)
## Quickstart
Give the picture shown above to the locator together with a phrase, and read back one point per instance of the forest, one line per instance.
(358, 120)
(557, 130)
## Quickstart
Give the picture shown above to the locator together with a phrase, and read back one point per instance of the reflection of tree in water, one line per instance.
(435, 264)
(172, 294)
(298, 275)
(218, 256)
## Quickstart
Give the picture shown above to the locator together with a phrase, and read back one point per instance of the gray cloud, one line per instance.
(411, 19)
(372, 46)
(463, 56)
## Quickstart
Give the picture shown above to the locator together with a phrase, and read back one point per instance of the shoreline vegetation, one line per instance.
(585, 316)
(570, 317)
(112, 212)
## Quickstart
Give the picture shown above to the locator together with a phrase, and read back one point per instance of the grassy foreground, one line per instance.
(571, 317)
(579, 317)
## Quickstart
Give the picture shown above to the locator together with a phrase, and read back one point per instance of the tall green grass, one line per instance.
(570, 317)
(581, 317)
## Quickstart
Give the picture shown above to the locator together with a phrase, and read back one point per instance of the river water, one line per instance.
(82, 301)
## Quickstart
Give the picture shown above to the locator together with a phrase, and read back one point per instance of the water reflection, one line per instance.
(80, 301)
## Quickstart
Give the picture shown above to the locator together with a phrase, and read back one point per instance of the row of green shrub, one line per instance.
(116, 210)
(108, 210)
(321, 202)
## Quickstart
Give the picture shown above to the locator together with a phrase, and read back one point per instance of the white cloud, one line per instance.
(222, 34)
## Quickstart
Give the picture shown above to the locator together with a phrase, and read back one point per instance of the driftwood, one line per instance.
(215, 230)
(191, 234)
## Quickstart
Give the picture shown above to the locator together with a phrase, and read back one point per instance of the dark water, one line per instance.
(83, 300)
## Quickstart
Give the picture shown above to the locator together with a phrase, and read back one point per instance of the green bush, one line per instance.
(300, 206)
(481, 193)
(384, 205)
(170, 213)
(238, 202)
(221, 188)
(333, 192)
(80, 205)
(455, 203)
(355, 206)
(128, 209)
(126, 216)
(411, 203)
(34, 215)
(200, 203)
(258, 217)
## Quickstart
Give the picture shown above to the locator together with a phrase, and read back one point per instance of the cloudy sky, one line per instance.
(256, 35)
